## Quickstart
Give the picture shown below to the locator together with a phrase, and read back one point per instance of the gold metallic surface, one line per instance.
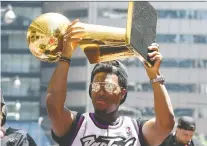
(104, 43)
(129, 22)
(44, 35)
(100, 43)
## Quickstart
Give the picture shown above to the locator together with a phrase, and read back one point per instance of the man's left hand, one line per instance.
(155, 56)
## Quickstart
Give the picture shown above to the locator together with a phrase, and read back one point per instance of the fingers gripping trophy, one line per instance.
(49, 31)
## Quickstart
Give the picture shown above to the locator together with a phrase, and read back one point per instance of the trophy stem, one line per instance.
(104, 43)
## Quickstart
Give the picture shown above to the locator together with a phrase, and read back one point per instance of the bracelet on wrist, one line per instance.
(65, 59)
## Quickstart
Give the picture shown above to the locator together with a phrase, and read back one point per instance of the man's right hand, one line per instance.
(71, 38)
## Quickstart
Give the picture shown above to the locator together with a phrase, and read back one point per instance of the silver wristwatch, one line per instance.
(160, 79)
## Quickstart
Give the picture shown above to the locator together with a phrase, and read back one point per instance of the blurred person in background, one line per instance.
(108, 90)
(183, 136)
(10, 136)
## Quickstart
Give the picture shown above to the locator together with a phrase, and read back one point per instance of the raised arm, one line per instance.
(158, 128)
(61, 118)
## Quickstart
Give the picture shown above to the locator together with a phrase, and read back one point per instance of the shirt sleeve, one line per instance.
(140, 123)
(68, 137)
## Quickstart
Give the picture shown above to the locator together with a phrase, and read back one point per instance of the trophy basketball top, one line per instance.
(44, 34)
(101, 43)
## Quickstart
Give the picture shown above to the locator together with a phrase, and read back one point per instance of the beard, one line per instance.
(105, 104)
(105, 107)
(106, 110)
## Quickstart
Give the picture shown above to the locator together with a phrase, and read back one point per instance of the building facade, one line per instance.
(21, 71)
(18, 63)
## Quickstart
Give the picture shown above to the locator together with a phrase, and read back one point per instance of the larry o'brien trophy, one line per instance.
(100, 43)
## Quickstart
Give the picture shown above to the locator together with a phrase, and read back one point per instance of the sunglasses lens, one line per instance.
(109, 87)
(95, 87)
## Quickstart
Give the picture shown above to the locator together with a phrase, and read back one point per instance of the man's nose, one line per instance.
(101, 91)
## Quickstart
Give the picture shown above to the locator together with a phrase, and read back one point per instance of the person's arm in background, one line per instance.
(157, 129)
(62, 118)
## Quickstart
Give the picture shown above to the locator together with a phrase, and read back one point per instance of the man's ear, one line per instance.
(123, 93)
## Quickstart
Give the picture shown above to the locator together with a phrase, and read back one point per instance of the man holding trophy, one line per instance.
(108, 88)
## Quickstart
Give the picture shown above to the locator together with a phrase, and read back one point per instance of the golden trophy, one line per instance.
(100, 43)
